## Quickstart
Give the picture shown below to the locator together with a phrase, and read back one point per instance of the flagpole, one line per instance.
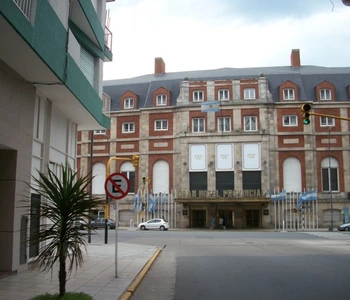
(329, 175)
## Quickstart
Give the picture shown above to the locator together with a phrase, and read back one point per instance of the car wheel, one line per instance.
(143, 227)
(346, 228)
(161, 228)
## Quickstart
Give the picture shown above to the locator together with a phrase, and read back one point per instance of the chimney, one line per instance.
(159, 66)
(295, 58)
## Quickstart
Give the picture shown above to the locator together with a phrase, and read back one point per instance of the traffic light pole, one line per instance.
(329, 116)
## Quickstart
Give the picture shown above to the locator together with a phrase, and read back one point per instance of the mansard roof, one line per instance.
(306, 77)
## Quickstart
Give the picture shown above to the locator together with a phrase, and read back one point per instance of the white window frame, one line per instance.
(198, 125)
(290, 121)
(249, 94)
(325, 94)
(128, 103)
(161, 100)
(223, 95)
(128, 127)
(102, 131)
(288, 94)
(198, 96)
(250, 123)
(160, 125)
(326, 122)
(224, 124)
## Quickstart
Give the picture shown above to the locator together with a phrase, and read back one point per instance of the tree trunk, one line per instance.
(62, 275)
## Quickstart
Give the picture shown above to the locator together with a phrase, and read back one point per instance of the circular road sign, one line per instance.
(117, 186)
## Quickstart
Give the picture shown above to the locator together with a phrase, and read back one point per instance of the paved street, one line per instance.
(246, 265)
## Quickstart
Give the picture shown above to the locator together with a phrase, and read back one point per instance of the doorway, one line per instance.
(252, 218)
(198, 218)
(227, 216)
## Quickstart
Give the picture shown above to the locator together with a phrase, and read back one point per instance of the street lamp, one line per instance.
(329, 175)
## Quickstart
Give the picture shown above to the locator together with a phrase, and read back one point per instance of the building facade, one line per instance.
(228, 143)
(51, 57)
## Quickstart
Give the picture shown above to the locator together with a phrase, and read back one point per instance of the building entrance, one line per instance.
(227, 216)
(198, 218)
(252, 218)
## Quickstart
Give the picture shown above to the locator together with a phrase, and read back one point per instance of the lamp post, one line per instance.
(329, 176)
(90, 187)
(106, 205)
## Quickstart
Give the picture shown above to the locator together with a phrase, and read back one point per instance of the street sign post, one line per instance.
(117, 186)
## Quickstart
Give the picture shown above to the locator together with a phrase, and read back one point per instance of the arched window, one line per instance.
(98, 182)
(129, 171)
(330, 173)
(292, 175)
(161, 177)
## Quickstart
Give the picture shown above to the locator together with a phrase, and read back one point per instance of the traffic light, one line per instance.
(144, 205)
(305, 110)
(144, 180)
(294, 210)
(135, 160)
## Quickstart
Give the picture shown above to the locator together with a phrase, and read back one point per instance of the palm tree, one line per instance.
(65, 201)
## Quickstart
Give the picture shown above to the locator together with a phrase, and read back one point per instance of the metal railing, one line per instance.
(25, 6)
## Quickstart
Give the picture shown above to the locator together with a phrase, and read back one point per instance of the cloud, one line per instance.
(207, 34)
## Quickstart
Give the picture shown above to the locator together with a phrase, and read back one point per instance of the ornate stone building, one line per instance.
(224, 143)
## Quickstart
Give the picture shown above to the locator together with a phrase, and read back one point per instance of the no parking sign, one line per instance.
(117, 186)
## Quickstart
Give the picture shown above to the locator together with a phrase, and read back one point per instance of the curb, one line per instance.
(130, 290)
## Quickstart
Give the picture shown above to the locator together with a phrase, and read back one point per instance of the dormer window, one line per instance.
(198, 96)
(128, 103)
(224, 95)
(161, 100)
(249, 94)
(288, 94)
(325, 94)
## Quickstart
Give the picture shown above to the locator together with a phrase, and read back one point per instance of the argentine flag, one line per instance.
(307, 196)
(210, 106)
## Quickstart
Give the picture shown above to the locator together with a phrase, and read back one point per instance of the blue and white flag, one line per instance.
(140, 206)
(163, 200)
(210, 106)
(136, 199)
(155, 203)
(307, 196)
(281, 196)
(150, 203)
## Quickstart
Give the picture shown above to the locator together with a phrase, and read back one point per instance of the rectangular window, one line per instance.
(198, 96)
(224, 95)
(224, 124)
(128, 103)
(288, 94)
(290, 121)
(161, 125)
(325, 94)
(250, 123)
(161, 100)
(198, 125)
(100, 131)
(325, 179)
(198, 181)
(249, 94)
(251, 180)
(128, 127)
(225, 181)
(325, 121)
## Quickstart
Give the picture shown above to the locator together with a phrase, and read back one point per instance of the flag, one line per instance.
(163, 200)
(281, 196)
(140, 206)
(155, 203)
(307, 196)
(210, 106)
(150, 203)
(136, 199)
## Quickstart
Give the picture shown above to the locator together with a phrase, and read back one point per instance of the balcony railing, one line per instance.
(25, 6)
(108, 38)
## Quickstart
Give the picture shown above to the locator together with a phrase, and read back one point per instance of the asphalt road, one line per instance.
(245, 265)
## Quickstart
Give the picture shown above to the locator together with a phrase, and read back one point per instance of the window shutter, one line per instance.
(87, 65)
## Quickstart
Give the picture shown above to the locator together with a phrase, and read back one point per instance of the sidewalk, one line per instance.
(96, 277)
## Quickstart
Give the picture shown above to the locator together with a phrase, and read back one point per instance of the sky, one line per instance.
(193, 35)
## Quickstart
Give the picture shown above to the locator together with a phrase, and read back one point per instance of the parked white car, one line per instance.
(156, 223)
(344, 227)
